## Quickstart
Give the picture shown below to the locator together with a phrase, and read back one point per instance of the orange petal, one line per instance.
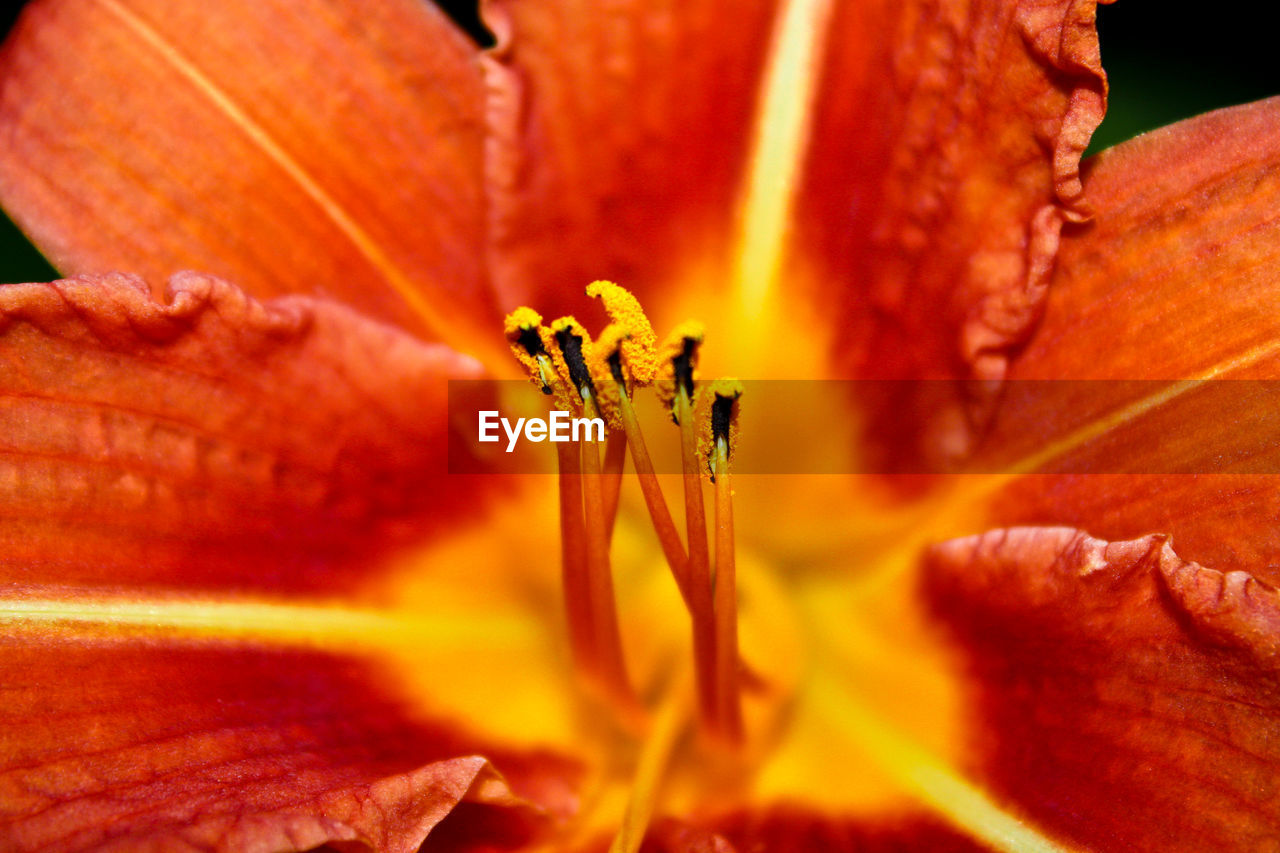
(109, 746)
(619, 136)
(1175, 279)
(944, 161)
(212, 441)
(307, 146)
(1180, 259)
(793, 829)
(941, 164)
(935, 152)
(1128, 696)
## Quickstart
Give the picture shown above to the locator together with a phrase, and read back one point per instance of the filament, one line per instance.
(699, 566)
(611, 668)
(728, 705)
(615, 456)
(573, 558)
(668, 537)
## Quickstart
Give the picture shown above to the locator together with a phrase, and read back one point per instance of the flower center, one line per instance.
(599, 379)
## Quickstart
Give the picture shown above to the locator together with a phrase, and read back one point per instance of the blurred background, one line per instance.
(1163, 66)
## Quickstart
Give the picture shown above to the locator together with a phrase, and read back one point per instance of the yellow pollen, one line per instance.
(683, 341)
(520, 319)
(526, 337)
(640, 342)
(565, 330)
(718, 393)
(605, 348)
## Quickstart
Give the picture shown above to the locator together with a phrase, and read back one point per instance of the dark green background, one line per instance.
(1162, 67)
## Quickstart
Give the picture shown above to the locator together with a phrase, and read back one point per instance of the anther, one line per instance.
(607, 375)
(525, 335)
(718, 421)
(574, 344)
(677, 366)
(639, 341)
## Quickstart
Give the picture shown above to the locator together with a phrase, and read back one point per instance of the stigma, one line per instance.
(601, 377)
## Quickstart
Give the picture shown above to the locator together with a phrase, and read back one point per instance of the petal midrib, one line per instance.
(270, 623)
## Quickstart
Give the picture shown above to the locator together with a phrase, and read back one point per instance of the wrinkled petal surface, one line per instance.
(938, 220)
(933, 229)
(211, 440)
(930, 177)
(1127, 698)
(1179, 270)
(195, 491)
(293, 147)
(111, 745)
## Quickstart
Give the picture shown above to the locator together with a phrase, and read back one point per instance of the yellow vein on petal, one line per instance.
(447, 329)
(955, 511)
(965, 806)
(933, 783)
(780, 138)
(258, 622)
(1131, 412)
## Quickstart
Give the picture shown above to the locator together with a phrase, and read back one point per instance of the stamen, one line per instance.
(610, 371)
(575, 350)
(722, 433)
(680, 352)
(528, 340)
(599, 380)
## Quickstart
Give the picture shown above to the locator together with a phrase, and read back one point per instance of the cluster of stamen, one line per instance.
(600, 379)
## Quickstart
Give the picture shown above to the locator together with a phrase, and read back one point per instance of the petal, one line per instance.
(212, 441)
(794, 829)
(944, 162)
(196, 650)
(121, 746)
(618, 136)
(1128, 696)
(311, 146)
(1181, 257)
(1179, 269)
(624, 138)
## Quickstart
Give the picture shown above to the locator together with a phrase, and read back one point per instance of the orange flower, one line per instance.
(245, 608)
